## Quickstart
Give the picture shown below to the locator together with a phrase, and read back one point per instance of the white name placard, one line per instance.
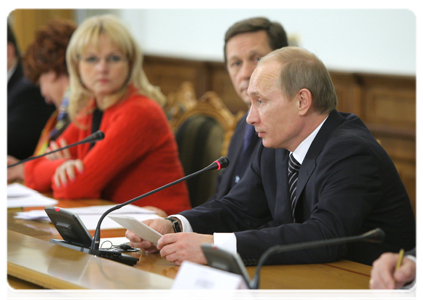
(198, 282)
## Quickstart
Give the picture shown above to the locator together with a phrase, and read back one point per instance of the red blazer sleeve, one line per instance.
(131, 130)
(39, 172)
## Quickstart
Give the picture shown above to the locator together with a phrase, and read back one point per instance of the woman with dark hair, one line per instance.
(45, 64)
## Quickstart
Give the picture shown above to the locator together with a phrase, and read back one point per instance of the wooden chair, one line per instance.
(203, 133)
(181, 100)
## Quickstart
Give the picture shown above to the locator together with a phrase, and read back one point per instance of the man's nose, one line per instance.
(247, 70)
(252, 117)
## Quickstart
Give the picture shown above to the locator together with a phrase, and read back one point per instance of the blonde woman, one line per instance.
(110, 92)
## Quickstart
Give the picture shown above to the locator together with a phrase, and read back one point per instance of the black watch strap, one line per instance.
(175, 224)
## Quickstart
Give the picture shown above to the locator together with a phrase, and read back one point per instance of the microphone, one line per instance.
(73, 230)
(374, 236)
(96, 136)
(227, 261)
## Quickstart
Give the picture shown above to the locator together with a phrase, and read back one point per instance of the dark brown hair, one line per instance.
(302, 69)
(48, 50)
(276, 34)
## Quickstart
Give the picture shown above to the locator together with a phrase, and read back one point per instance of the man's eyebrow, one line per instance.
(252, 93)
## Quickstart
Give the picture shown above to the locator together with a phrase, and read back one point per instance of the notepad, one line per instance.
(137, 227)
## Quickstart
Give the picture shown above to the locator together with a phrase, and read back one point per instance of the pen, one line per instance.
(399, 262)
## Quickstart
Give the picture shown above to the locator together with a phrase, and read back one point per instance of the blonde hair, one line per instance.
(302, 69)
(88, 33)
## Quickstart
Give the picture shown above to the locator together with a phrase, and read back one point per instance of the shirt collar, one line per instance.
(302, 149)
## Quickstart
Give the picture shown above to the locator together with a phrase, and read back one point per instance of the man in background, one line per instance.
(245, 43)
(27, 111)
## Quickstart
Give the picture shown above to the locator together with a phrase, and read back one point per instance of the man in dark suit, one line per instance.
(319, 175)
(385, 278)
(27, 111)
(245, 43)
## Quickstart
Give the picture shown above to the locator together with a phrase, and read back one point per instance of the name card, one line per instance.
(193, 276)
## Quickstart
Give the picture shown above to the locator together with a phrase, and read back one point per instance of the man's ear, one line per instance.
(304, 101)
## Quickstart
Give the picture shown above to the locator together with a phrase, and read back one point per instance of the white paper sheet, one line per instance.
(90, 215)
(19, 195)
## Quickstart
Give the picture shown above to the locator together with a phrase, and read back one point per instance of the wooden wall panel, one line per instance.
(25, 22)
(348, 92)
(169, 73)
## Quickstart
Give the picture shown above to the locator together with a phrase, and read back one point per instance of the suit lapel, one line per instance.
(309, 163)
(235, 149)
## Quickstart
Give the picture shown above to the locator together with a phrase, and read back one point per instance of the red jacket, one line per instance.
(137, 155)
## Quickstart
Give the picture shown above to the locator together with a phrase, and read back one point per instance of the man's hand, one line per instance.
(160, 225)
(181, 246)
(384, 276)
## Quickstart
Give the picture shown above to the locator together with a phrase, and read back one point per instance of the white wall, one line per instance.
(364, 40)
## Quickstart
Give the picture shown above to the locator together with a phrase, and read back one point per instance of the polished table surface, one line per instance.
(34, 262)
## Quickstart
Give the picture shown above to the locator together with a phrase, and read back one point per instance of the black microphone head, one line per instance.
(223, 161)
(98, 135)
(376, 235)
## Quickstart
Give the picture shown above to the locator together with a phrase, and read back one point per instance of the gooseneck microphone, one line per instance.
(218, 164)
(375, 236)
(96, 136)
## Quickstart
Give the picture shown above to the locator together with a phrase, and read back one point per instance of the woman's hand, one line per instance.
(66, 172)
(16, 172)
(59, 154)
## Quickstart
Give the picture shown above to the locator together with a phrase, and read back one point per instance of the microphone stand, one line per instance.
(220, 163)
(96, 136)
(376, 236)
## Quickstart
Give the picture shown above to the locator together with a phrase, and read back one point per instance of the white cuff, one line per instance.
(225, 241)
(186, 226)
(417, 278)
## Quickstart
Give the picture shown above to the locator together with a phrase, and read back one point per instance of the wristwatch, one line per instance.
(175, 224)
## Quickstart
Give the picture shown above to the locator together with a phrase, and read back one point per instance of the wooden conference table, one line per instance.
(33, 262)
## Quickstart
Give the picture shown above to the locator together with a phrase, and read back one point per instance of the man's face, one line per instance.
(274, 116)
(242, 54)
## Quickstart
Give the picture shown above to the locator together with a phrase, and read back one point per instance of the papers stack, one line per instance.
(19, 195)
(91, 214)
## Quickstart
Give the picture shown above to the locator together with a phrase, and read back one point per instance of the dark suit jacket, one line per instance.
(27, 113)
(226, 178)
(347, 185)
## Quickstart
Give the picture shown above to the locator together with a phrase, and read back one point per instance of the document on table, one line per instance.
(19, 195)
(91, 214)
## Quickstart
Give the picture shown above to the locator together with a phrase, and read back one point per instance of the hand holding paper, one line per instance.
(138, 228)
(160, 225)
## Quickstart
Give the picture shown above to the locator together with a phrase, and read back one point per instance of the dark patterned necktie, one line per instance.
(293, 169)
